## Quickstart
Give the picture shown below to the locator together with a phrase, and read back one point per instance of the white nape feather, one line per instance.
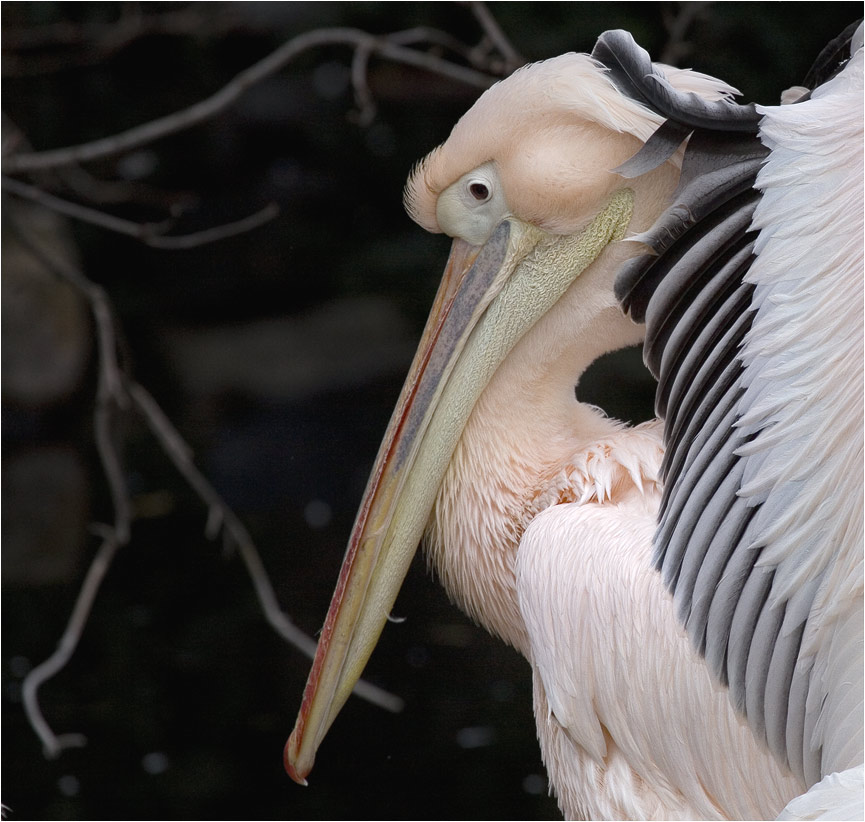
(695, 82)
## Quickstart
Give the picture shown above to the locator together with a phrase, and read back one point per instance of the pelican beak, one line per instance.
(473, 326)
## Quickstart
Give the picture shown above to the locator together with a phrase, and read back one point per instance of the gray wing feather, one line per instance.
(797, 731)
(684, 501)
(690, 437)
(680, 389)
(728, 592)
(716, 499)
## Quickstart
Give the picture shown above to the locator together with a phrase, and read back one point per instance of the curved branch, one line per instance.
(677, 19)
(141, 231)
(513, 59)
(110, 398)
(52, 744)
(203, 110)
(220, 516)
(149, 233)
(65, 45)
(220, 232)
(363, 98)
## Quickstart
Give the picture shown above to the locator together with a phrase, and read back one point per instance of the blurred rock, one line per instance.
(46, 326)
(45, 515)
(343, 344)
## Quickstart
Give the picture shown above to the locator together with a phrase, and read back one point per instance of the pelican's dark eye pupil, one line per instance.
(479, 191)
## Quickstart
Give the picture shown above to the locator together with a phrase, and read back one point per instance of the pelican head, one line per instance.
(526, 186)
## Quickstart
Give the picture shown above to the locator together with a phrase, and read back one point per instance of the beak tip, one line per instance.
(293, 768)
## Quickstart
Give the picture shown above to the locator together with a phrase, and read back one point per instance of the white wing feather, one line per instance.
(804, 390)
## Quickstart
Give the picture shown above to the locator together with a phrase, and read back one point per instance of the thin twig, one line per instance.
(104, 35)
(52, 744)
(110, 398)
(70, 45)
(221, 515)
(140, 231)
(148, 233)
(435, 37)
(363, 98)
(678, 18)
(513, 59)
(220, 232)
(204, 109)
(95, 190)
(366, 107)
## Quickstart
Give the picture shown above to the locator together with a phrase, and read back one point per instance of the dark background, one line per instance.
(278, 354)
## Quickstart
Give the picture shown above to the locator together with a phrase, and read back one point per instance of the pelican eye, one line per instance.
(472, 206)
(480, 191)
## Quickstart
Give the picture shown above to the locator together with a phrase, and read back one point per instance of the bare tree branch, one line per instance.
(52, 744)
(220, 232)
(678, 18)
(363, 98)
(149, 233)
(435, 37)
(85, 44)
(116, 392)
(130, 25)
(513, 59)
(409, 37)
(95, 190)
(204, 109)
(110, 399)
(140, 231)
(220, 516)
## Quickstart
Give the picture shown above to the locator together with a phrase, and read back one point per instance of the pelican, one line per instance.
(539, 514)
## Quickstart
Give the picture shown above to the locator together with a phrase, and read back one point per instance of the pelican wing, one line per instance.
(655, 735)
(752, 301)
